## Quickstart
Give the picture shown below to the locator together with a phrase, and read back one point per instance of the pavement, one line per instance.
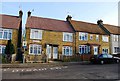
(30, 65)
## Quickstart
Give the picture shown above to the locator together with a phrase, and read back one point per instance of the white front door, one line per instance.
(48, 51)
(95, 50)
(55, 52)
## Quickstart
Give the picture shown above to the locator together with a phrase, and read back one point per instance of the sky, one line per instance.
(81, 11)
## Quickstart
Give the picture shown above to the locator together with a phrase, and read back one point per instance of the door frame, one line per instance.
(94, 47)
(55, 54)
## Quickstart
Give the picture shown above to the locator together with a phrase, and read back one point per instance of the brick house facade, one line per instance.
(114, 32)
(90, 39)
(51, 37)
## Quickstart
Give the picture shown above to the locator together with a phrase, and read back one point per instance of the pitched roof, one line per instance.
(112, 29)
(48, 24)
(81, 26)
(8, 21)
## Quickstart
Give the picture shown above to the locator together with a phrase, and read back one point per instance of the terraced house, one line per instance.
(48, 36)
(114, 32)
(10, 28)
(90, 39)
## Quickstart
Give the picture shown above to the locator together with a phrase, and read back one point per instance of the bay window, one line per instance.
(35, 49)
(84, 49)
(105, 51)
(67, 51)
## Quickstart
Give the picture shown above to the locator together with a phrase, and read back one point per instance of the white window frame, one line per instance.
(97, 37)
(1, 48)
(106, 50)
(83, 36)
(115, 38)
(38, 47)
(116, 49)
(9, 34)
(70, 50)
(91, 37)
(105, 38)
(33, 34)
(67, 37)
(86, 49)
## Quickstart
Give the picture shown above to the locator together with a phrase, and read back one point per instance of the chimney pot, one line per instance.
(29, 13)
(68, 18)
(20, 13)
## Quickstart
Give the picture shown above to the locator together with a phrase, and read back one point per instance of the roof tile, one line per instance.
(8, 21)
(48, 24)
(86, 27)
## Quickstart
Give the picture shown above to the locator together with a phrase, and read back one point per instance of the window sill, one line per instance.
(35, 54)
(4, 39)
(67, 41)
(35, 39)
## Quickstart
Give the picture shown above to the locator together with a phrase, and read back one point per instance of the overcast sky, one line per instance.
(82, 11)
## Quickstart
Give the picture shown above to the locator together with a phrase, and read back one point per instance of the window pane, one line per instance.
(3, 50)
(1, 34)
(5, 34)
(39, 50)
(31, 49)
(10, 35)
(0, 49)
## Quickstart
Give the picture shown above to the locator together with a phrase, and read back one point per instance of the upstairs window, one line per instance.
(115, 38)
(105, 38)
(35, 34)
(97, 37)
(83, 36)
(5, 34)
(91, 37)
(67, 37)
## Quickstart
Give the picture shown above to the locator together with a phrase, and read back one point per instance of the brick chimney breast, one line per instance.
(68, 18)
(100, 22)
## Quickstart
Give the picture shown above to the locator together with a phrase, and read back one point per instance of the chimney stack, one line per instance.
(68, 18)
(20, 13)
(29, 13)
(100, 22)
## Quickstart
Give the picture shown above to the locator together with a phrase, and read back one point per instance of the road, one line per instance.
(75, 71)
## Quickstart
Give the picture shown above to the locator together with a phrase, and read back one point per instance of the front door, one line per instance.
(55, 52)
(48, 51)
(95, 50)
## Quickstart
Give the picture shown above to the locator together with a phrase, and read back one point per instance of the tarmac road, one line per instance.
(75, 71)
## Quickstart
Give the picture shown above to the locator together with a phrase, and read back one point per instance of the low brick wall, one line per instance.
(85, 57)
(76, 57)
